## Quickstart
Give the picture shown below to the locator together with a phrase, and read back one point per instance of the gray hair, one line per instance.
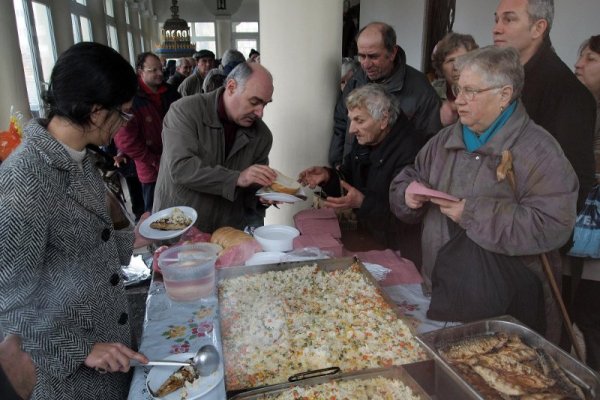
(180, 61)
(349, 64)
(541, 9)
(214, 79)
(232, 55)
(377, 100)
(497, 66)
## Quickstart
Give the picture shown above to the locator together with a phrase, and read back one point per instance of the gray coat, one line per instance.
(538, 220)
(194, 171)
(59, 268)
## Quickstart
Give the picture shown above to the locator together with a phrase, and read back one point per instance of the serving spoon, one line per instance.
(205, 361)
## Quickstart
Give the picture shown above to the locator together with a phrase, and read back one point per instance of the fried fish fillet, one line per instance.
(177, 380)
(467, 348)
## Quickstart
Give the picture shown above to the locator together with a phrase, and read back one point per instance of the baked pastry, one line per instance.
(177, 380)
(174, 222)
(228, 237)
(284, 184)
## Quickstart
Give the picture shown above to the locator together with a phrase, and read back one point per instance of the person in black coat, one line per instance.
(386, 142)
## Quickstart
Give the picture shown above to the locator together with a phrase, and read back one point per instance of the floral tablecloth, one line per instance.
(170, 328)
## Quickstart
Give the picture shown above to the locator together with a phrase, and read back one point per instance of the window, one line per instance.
(203, 33)
(245, 36)
(111, 34)
(45, 39)
(82, 28)
(127, 14)
(130, 48)
(82, 2)
(142, 45)
(109, 8)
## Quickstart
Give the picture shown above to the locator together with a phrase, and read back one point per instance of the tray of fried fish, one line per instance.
(503, 359)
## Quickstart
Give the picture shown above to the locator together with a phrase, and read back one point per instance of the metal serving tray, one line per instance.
(448, 382)
(332, 264)
(392, 372)
(324, 264)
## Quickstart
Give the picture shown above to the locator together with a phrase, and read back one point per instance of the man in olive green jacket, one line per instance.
(215, 152)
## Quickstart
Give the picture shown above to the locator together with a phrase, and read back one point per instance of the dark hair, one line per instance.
(141, 59)
(387, 32)
(449, 43)
(85, 75)
(593, 42)
(214, 79)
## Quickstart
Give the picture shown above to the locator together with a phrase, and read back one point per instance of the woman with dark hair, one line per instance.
(61, 295)
(445, 53)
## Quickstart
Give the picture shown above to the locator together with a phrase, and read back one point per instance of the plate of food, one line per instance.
(168, 223)
(170, 383)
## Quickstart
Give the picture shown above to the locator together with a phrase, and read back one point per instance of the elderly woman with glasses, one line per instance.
(533, 216)
(62, 299)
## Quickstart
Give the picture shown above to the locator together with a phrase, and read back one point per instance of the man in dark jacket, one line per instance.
(553, 97)
(183, 69)
(382, 61)
(141, 139)
(386, 142)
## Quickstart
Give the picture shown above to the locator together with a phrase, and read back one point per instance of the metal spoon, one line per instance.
(205, 361)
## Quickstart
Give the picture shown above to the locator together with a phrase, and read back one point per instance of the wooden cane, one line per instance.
(561, 304)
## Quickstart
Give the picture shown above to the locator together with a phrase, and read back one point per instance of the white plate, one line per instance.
(157, 234)
(158, 375)
(276, 196)
(265, 257)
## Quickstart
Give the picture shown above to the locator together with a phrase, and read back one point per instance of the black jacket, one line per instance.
(371, 170)
(555, 99)
(417, 99)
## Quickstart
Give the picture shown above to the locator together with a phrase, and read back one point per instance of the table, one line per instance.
(171, 327)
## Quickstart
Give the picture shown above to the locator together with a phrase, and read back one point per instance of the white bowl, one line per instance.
(276, 237)
(265, 257)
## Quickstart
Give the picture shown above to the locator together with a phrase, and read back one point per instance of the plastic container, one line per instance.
(189, 271)
(276, 237)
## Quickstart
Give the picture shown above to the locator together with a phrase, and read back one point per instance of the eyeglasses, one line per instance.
(470, 93)
(125, 116)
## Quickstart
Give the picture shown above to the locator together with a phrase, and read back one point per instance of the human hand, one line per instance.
(415, 201)
(141, 241)
(256, 174)
(448, 113)
(17, 366)
(119, 159)
(112, 357)
(352, 199)
(451, 209)
(314, 176)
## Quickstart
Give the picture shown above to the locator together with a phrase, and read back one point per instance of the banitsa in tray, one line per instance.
(279, 320)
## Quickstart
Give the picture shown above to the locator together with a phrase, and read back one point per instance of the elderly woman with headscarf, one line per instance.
(531, 211)
(385, 143)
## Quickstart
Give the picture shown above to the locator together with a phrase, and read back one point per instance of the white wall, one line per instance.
(574, 21)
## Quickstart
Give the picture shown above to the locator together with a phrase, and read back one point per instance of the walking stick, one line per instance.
(561, 304)
(505, 171)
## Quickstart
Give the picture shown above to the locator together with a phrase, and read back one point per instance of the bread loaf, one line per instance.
(228, 236)
(285, 184)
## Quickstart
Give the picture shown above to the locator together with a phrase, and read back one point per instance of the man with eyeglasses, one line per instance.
(383, 61)
(140, 139)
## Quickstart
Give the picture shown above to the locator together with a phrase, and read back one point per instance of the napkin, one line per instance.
(323, 241)
(318, 221)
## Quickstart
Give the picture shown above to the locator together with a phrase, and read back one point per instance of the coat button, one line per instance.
(105, 234)
(114, 279)
(123, 319)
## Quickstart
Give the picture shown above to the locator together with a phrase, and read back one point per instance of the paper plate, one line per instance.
(283, 197)
(157, 234)
(159, 374)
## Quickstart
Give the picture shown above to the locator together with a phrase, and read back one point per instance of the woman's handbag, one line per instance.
(470, 283)
(586, 237)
